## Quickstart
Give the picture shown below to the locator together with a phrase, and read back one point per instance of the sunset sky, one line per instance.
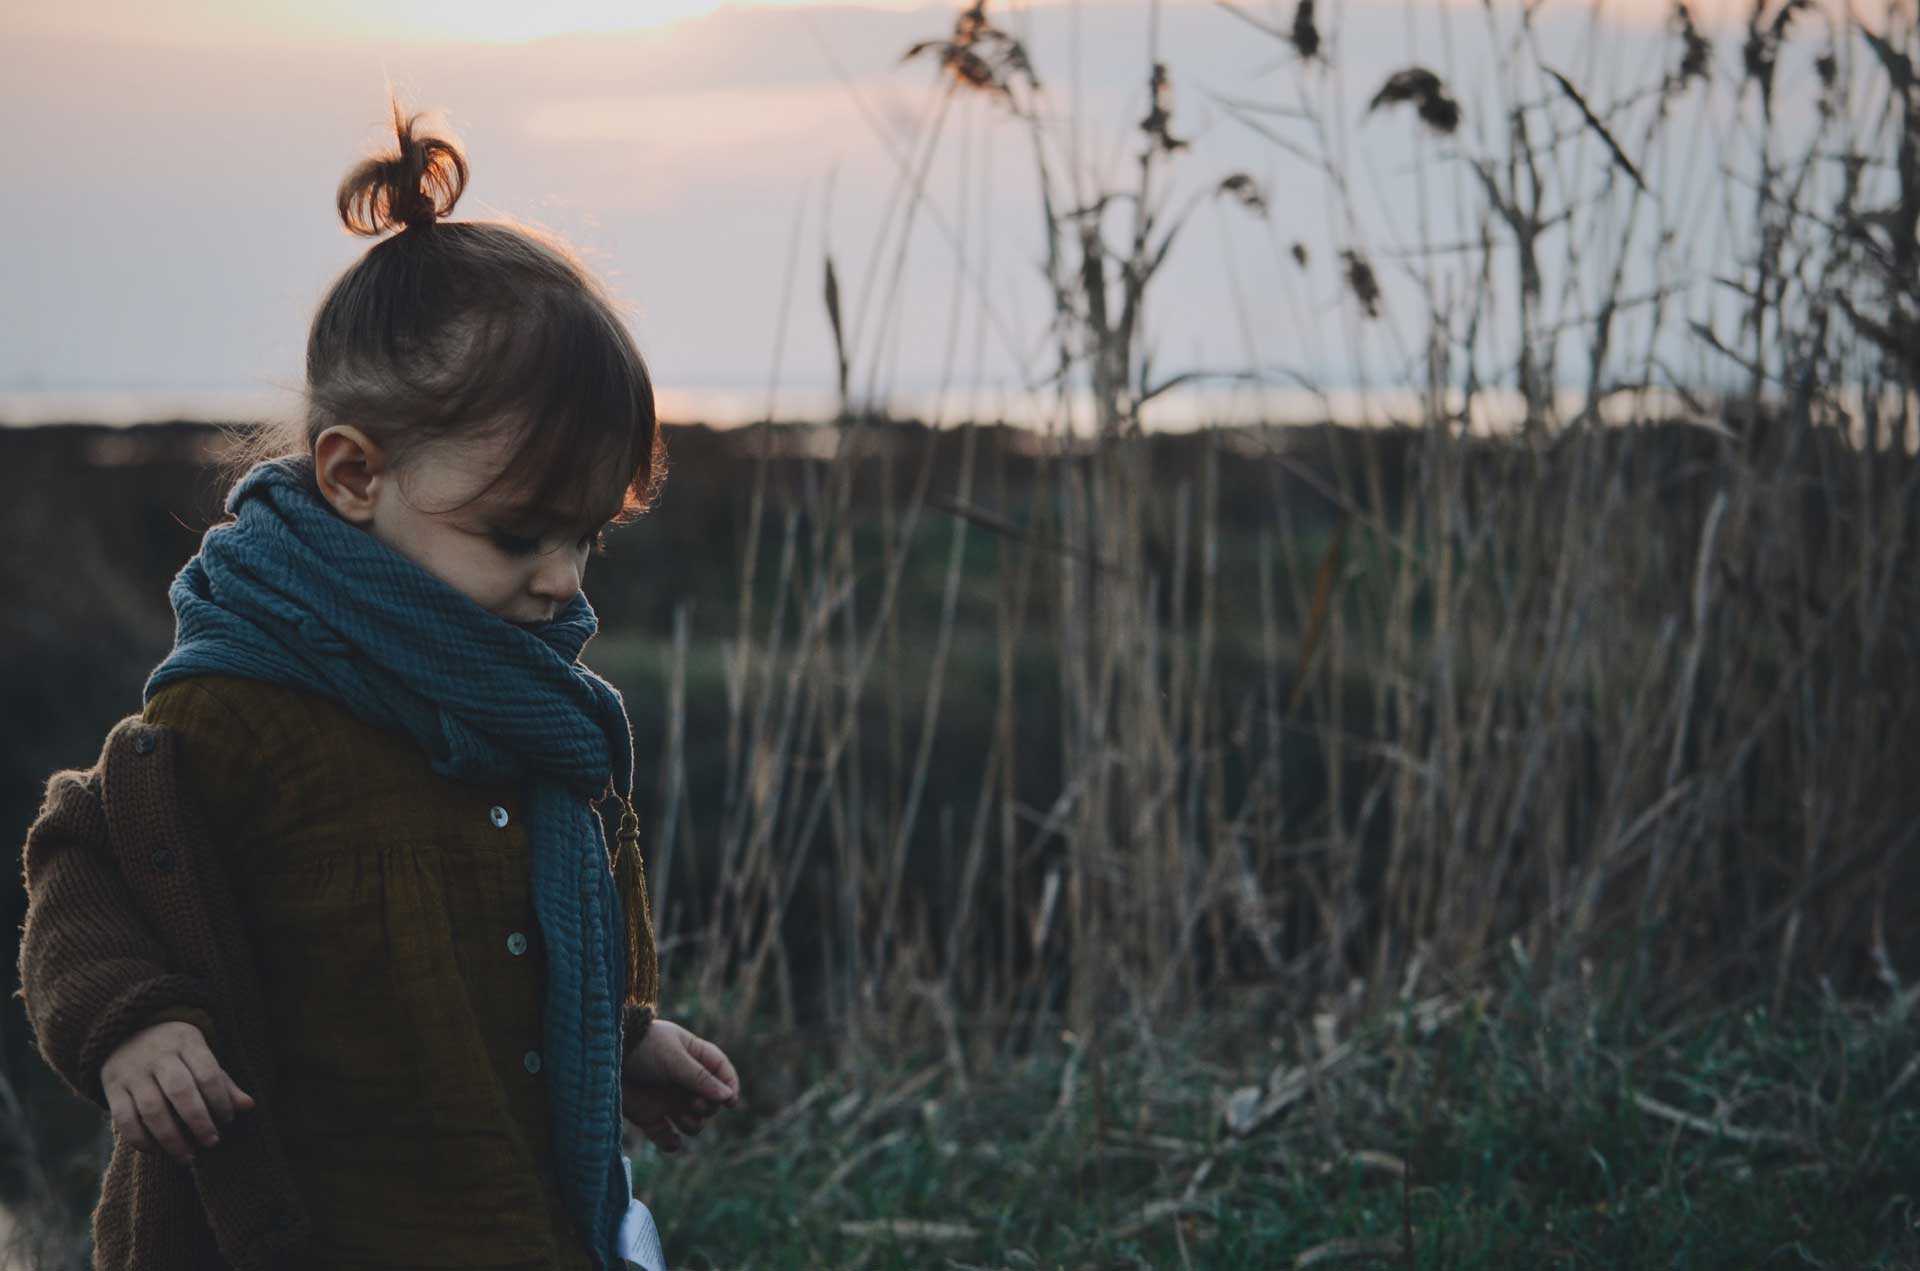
(170, 172)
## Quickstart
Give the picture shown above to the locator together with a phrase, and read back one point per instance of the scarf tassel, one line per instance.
(630, 876)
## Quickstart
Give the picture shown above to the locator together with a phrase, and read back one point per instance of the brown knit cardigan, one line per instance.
(113, 938)
(126, 929)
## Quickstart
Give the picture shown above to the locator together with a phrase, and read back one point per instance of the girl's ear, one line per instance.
(345, 463)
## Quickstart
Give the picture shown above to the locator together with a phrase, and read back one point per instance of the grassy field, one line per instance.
(1474, 1132)
(1442, 1133)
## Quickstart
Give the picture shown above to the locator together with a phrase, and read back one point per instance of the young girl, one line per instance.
(384, 727)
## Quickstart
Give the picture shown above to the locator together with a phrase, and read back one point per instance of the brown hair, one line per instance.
(449, 328)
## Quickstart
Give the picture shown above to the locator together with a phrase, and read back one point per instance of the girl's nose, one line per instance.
(558, 579)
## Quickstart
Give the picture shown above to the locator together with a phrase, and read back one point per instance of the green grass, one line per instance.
(1528, 1138)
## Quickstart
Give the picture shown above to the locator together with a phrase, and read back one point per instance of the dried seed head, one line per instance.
(1305, 37)
(1244, 188)
(1155, 124)
(1423, 88)
(1695, 52)
(1360, 278)
(980, 56)
(1763, 44)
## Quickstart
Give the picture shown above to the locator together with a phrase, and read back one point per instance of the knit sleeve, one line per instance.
(92, 972)
(221, 770)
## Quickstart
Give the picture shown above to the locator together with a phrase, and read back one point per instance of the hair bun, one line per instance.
(412, 187)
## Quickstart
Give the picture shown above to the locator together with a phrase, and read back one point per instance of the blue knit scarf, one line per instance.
(293, 593)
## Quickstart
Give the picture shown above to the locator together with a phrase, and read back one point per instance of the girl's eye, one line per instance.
(521, 545)
(514, 544)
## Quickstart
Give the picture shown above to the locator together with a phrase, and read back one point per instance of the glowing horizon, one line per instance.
(511, 22)
(489, 22)
(501, 23)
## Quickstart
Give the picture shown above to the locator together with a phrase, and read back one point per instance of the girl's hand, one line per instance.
(664, 1113)
(163, 1072)
(673, 1081)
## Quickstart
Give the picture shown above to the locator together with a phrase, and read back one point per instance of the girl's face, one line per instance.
(520, 563)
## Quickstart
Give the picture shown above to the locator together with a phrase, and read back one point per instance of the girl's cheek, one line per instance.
(483, 575)
(503, 578)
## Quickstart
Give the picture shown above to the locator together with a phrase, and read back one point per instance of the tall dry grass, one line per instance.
(1629, 697)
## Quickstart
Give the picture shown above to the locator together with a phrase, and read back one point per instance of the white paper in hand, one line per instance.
(639, 1238)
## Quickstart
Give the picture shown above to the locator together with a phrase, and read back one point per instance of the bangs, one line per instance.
(476, 328)
(567, 378)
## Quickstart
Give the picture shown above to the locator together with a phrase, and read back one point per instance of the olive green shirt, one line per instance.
(390, 915)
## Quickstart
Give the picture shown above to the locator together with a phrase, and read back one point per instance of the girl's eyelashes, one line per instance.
(522, 545)
(515, 544)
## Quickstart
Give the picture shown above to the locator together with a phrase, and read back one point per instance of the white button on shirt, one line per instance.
(532, 1060)
(499, 815)
(517, 943)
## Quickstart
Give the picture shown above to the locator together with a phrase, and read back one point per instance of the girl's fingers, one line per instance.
(668, 1115)
(126, 1119)
(721, 1085)
(213, 1083)
(183, 1092)
(202, 1061)
(714, 1060)
(157, 1117)
(665, 1129)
